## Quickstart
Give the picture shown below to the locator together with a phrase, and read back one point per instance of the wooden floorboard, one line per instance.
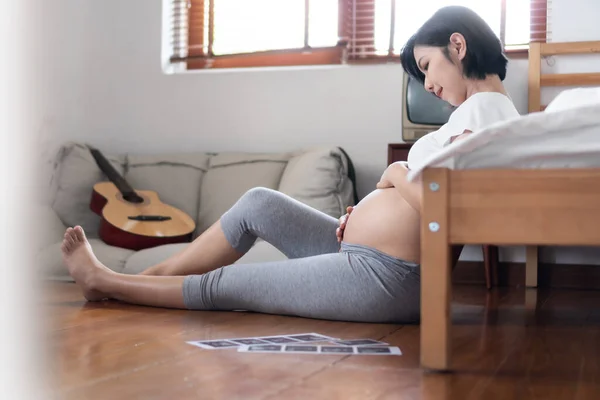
(508, 343)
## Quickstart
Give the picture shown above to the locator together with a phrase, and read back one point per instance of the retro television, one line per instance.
(422, 112)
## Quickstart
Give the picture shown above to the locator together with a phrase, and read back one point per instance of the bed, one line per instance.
(546, 193)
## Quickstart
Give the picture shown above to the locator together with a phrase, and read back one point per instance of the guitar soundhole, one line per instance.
(133, 198)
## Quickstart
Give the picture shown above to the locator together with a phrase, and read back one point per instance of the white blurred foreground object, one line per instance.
(22, 347)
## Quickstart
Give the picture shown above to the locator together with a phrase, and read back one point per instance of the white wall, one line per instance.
(100, 81)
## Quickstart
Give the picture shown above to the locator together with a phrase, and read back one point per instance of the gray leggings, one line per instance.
(318, 280)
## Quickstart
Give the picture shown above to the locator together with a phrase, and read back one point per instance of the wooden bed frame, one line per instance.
(502, 206)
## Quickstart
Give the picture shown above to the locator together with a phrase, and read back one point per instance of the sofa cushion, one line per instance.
(146, 258)
(49, 229)
(319, 178)
(261, 252)
(230, 175)
(73, 183)
(49, 260)
(176, 178)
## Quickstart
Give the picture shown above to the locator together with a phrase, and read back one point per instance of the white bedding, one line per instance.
(566, 135)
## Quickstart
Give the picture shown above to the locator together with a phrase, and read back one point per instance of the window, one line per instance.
(253, 33)
(250, 33)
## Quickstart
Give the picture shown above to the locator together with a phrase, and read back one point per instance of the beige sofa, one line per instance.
(202, 184)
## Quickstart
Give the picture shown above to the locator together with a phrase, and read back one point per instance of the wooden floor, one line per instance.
(508, 344)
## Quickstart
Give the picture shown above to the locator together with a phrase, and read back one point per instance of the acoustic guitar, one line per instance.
(135, 219)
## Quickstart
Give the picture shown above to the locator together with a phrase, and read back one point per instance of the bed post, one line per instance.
(534, 83)
(531, 266)
(436, 288)
(534, 105)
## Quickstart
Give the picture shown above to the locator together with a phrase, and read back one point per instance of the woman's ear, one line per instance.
(458, 44)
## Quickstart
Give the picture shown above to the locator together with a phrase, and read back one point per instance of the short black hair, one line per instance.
(484, 55)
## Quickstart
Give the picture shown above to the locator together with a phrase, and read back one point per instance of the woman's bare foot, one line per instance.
(82, 264)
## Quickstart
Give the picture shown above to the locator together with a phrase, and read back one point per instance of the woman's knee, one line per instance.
(262, 198)
(259, 194)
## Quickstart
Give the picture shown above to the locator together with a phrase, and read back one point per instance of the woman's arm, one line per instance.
(395, 176)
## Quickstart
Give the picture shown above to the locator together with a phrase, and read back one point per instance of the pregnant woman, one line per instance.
(369, 271)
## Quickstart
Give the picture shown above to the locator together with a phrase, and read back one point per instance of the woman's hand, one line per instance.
(390, 173)
(384, 181)
(339, 232)
(395, 176)
(384, 184)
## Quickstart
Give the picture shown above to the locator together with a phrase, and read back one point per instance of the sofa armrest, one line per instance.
(50, 229)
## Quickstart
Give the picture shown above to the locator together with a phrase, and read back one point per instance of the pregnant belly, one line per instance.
(385, 221)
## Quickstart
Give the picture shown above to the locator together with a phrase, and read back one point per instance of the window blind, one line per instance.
(179, 29)
(247, 33)
(376, 30)
(538, 20)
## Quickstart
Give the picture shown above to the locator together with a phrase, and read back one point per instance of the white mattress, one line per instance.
(566, 135)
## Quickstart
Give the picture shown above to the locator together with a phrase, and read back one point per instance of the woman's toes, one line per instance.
(79, 234)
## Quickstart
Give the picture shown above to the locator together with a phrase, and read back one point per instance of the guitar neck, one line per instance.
(113, 175)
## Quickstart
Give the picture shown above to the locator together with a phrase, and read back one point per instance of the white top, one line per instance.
(477, 112)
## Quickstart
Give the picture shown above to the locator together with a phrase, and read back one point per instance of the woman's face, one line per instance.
(443, 77)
